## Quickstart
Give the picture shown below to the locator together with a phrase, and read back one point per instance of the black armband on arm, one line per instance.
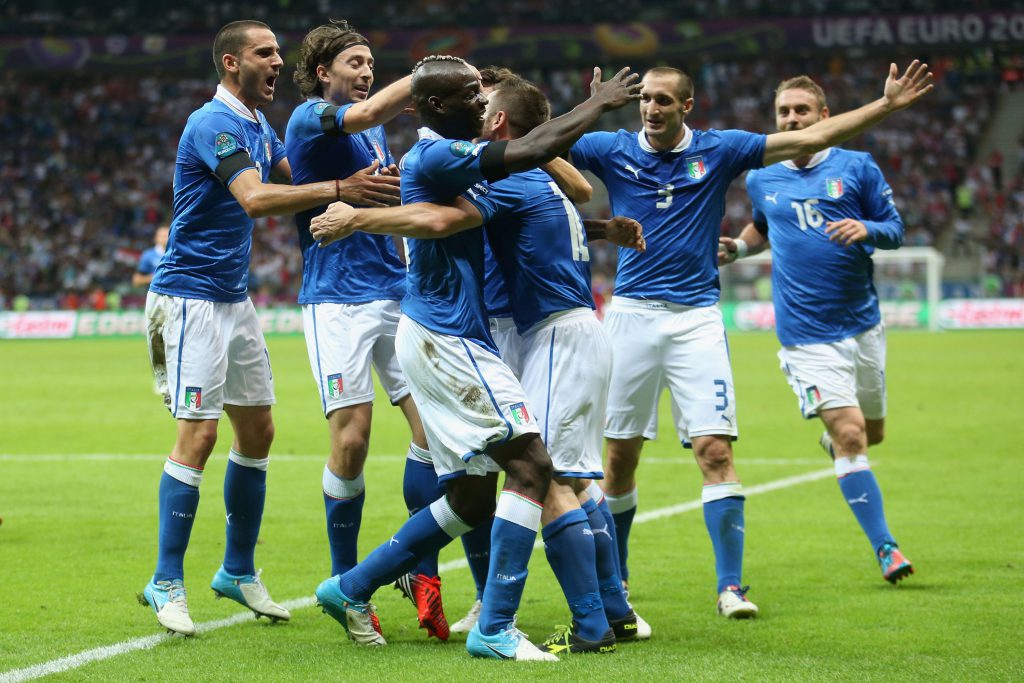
(230, 165)
(762, 227)
(329, 122)
(492, 161)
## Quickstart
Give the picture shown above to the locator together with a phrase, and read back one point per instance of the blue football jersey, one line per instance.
(823, 292)
(149, 260)
(538, 240)
(361, 267)
(679, 198)
(444, 285)
(495, 293)
(210, 240)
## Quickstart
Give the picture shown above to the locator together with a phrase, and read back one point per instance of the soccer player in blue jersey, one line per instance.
(205, 342)
(351, 289)
(149, 259)
(476, 415)
(664, 322)
(825, 214)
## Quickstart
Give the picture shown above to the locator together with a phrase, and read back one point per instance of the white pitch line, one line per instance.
(109, 651)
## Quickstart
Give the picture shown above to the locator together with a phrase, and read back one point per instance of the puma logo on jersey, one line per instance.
(636, 173)
(771, 197)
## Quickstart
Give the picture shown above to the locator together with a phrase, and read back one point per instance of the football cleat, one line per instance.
(358, 618)
(825, 441)
(169, 602)
(425, 593)
(466, 623)
(630, 627)
(508, 644)
(248, 591)
(564, 639)
(894, 565)
(733, 603)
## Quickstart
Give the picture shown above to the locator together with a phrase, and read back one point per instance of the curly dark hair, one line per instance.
(319, 48)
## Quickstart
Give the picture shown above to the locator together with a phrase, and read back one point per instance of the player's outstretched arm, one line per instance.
(421, 220)
(570, 180)
(260, 199)
(379, 108)
(368, 188)
(751, 241)
(554, 137)
(619, 230)
(899, 93)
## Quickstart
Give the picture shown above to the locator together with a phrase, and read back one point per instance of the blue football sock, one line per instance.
(606, 562)
(516, 521)
(723, 515)
(343, 502)
(245, 490)
(569, 545)
(860, 489)
(477, 545)
(420, 488)
(424, 533)
(179, 499)
(623, 509)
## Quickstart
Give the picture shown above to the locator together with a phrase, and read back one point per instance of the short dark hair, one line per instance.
(684, 83)
(803, 83)
(523, 103)
(231, 39)
(319, 48)
(491, 76)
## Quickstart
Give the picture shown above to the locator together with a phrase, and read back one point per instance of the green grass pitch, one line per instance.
(81, 444)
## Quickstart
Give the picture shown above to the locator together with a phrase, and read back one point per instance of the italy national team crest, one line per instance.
(379, 151)
(334, 385)
(834, 187)
(519, 413)
(813, 395)
(193, 398)
(695, 167)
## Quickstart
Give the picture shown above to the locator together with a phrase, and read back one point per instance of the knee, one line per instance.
(473, 509)
(198, 442)
(714, 454)
(623, 456)
(532, 471)
(850, 439)
(876, 434)
(353, 444)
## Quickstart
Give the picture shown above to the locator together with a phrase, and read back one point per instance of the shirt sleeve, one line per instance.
(591, 149)
(753, 192)
(746, 149)
(495, 199)
(452, 166)
(880, 217)
(277, 151)
(147, 262)
(218, 138)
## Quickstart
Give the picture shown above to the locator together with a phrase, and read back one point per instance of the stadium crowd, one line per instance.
(34, 17)
(88, 164)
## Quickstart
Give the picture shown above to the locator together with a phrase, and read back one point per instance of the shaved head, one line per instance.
(438, 75)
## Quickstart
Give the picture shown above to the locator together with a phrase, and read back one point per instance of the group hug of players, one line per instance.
(483, 331)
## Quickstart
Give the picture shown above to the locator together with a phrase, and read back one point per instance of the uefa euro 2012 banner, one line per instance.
(953, 314)
(561, 45)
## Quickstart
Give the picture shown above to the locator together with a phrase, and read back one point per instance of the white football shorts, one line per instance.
(510, 344)
(567, 362)
(467, 397)
(657, 344)
(343, 341)
(842, 374)
(206, 355)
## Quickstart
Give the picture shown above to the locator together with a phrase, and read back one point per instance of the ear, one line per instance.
(322, 74)
(500, 122)
(688, 105)
(824, 112)
(230, 63)
(436, 104)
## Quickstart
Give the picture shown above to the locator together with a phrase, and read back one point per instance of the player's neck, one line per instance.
(236, 91)
(666, 141)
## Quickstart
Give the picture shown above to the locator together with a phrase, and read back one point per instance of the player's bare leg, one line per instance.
(622, 457)
(723, 514)
(851, 435)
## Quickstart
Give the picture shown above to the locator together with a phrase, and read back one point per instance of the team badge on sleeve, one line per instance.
(193, 398)
(461, 148)
(225, 145)
(319, 108)
(834, 187)
(695, 167)
(334, 385)
(519, 414)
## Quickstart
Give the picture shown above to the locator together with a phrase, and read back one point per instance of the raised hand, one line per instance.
(915, 83)
(626, 232)
(623, 88)
(333, 224)
(368, 188)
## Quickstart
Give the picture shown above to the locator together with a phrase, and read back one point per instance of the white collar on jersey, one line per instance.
(234, 104)
(428, 134)
(815, 160)
(683, 144)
